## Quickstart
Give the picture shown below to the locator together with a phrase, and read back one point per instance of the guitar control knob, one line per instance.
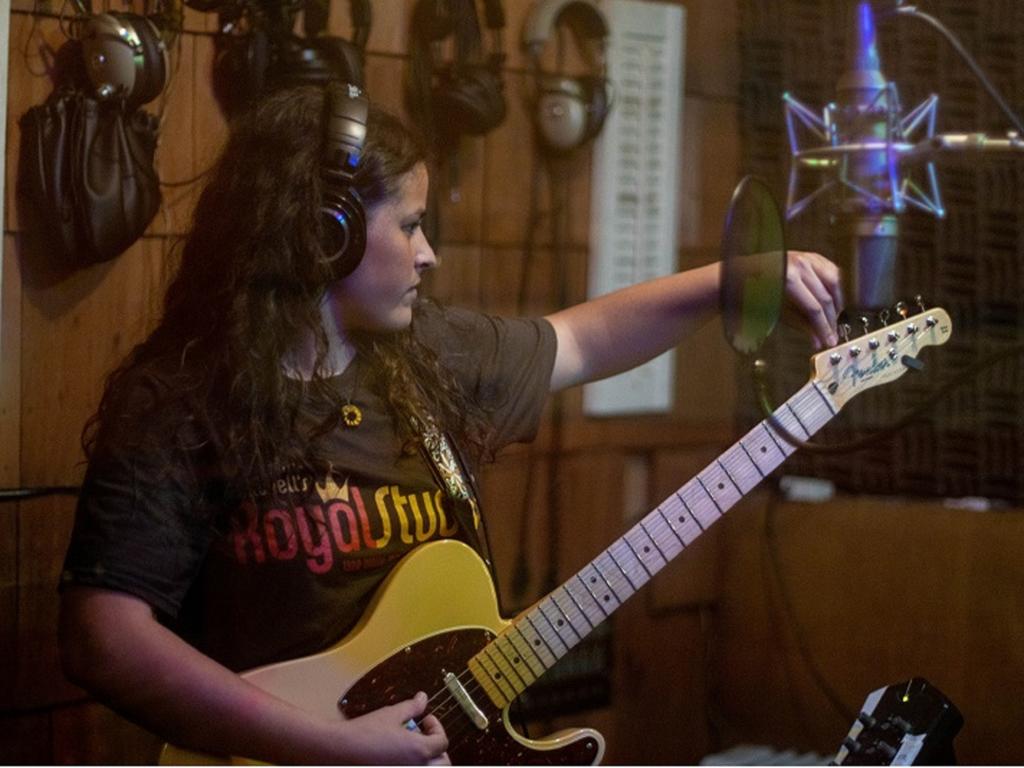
(873, 344)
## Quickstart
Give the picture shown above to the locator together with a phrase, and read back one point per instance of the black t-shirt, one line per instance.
(289, 570)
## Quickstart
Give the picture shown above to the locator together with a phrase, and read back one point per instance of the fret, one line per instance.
(682, 522)
(753, 461)
(559, 622)
(699, 503)
(593, 597)
(719, 487)
(513, 663)
(668, 542)
(742, 470)
(632, 550)
(812, 408)
(784, 447)
(722, 465)
(825, 398)
(654, 540)
(492, 679)
(641, 545)
(538, 641)
(635, 579)
(572, 611)
(537, 665)
(668, 522)
(606, 596)
(614, 575)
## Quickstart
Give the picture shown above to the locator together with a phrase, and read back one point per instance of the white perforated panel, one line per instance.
(633, 224)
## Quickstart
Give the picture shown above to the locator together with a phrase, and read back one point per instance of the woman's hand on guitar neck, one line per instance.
(386, 736)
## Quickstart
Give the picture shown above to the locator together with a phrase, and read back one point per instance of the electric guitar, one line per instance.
(909, 723)
(433, 625)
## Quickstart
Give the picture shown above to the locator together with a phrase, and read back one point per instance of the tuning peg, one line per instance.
(920, 302)
(883, 317)
(844, 331)
(901, 309)
(865, 321)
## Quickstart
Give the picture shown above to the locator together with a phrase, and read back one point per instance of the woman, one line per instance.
(254, 465)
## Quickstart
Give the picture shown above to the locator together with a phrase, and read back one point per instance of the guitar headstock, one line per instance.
(879, 356)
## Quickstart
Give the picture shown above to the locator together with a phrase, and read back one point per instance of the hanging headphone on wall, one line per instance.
(257, 51)
(344, 218)
(316, 58)
(569, 111)
(125, 57)
(465, 95)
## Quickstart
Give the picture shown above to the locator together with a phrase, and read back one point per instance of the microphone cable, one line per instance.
(913, 12)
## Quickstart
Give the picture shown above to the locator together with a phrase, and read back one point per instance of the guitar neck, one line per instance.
(551, 628)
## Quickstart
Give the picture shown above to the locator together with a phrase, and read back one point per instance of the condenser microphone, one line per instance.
(865, 121)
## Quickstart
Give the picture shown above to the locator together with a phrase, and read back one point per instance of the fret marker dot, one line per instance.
(593, 580)
(516, 660)
(560, 622)
(536, 642)
(497, 675)
(721, 486)
(647, 549)
(682, 519)
(607, 598)
(764, 449)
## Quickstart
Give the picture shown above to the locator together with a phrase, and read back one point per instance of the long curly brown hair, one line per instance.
(248, 290)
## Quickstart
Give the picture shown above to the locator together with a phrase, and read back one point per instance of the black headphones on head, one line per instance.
(125, 57)
(570, 111)
(346, 111)
(465, 95)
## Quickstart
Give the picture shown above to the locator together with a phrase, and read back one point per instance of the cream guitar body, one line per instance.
(435, 610)
(434, 626)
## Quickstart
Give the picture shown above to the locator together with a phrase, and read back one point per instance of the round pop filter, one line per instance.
(753, 266)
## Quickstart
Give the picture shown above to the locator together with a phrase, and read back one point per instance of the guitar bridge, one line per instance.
(461, 695)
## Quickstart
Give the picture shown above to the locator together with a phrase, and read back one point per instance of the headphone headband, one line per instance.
(544, 15)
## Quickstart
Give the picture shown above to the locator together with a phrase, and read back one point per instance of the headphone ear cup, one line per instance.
(344, 226)
(561, 113)
(151, 75)
(240, 68)
(595, 96)
(473, 100)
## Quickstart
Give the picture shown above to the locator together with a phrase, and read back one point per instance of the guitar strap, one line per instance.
(451, 474)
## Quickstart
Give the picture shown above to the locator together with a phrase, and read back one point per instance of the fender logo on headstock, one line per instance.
(856, 374)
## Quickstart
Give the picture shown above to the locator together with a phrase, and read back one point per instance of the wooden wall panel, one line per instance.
(75, 332)
(10, 367)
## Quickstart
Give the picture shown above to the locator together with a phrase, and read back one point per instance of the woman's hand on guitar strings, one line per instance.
(814, 296)
(386, 736)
